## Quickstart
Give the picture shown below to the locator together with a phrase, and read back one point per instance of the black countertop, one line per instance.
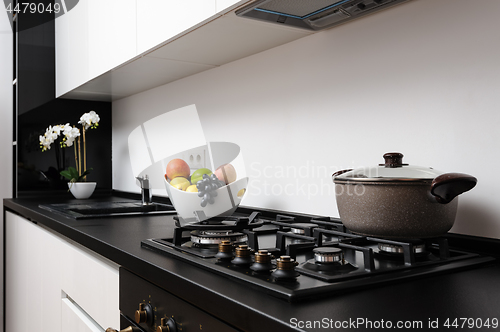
(473, 294)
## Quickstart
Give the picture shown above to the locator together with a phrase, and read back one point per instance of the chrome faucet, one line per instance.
(147, 194)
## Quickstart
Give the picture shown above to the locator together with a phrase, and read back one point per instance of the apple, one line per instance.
(176, 168)
(192, 189)
(198, 174)
(180, 183)
(226, 173)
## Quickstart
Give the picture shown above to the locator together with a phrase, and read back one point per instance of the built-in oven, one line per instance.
(146, 307)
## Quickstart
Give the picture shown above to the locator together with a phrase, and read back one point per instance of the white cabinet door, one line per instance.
(72, 45)
(91, 282)
(61, 286)
(92, 38)
(32, 276)
(74, 319)
(160, 20)
(112, 34)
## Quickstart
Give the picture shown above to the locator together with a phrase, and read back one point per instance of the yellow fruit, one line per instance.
(241, 193)
(192, 189)
(180, 183)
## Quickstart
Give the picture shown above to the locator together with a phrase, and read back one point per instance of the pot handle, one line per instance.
(449, 185)
(337, 173)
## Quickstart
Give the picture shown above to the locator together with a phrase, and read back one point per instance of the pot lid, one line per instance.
(393, 169)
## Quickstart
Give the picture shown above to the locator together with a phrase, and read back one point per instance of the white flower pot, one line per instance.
(82, 190)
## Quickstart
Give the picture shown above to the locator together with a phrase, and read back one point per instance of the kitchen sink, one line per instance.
(108, 209)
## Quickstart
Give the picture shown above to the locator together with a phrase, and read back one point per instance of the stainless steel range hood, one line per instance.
(312, 14)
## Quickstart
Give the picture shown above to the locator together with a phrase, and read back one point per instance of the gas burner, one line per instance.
(388, 248)
(234, 223)
(327, 260)
(215, 237)
(300, 228)
(329, 255)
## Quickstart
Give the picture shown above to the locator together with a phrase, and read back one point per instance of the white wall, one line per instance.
(6, 132)
(421, 78)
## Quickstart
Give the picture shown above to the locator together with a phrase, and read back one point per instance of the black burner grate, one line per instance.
(363, 264)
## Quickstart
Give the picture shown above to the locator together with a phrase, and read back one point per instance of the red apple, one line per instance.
(226, 173)
(177, 167)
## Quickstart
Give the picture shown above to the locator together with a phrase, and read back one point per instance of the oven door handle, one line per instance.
(128, 329)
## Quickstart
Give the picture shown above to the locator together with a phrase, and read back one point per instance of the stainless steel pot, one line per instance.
(399, 201)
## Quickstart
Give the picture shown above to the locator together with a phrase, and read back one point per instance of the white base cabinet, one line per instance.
(75, 320)
(54, 285)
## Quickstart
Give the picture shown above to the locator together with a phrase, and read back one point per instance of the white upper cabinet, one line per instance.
(106, 51)
(92, 38)
(112, 34)
(160, 20)
(72, 61)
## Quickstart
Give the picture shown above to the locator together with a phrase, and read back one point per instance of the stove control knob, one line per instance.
(286, 263)
(144, 314)
(167, 325)
(225, 250)
(243, 256)
(285, 269)
(262, 262)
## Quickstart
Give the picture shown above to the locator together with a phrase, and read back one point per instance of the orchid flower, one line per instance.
(70, 133)
(87, 120)
(90, 119)
(50, 136)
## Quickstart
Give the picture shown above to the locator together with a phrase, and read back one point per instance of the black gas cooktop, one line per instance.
(296, 259)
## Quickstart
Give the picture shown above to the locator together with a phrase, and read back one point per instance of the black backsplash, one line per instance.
(36, 60)
(38, 108)
(32, 162)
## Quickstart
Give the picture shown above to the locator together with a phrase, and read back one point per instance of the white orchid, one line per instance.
(90, 119)
(70, 133)
(50, 136)
(87, 120)
(45, 143)
(57, 130)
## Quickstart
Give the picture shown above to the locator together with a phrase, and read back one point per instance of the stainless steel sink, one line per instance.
(108, 209)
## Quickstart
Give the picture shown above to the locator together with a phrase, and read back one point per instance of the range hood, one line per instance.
(312, 14)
